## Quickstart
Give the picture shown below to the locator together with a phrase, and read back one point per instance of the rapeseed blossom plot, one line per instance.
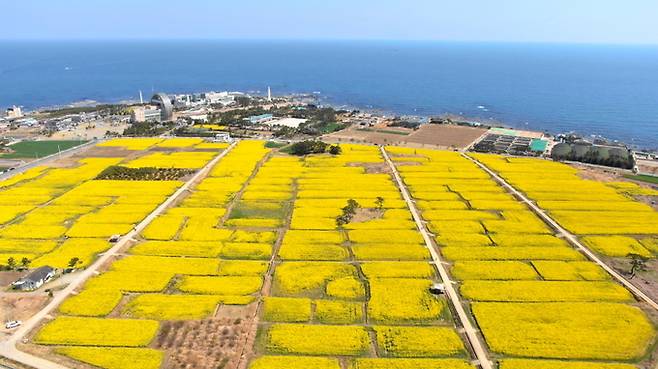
(339, 279)
(260, 233)
(530, 292)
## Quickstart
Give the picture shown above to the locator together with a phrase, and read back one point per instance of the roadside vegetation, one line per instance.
(643, 178)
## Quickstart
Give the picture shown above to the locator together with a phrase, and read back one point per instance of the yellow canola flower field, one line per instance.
(338, 312)
(418, 341)
(287, 310)
(24, 176)
(131, 281)
(171, 307)
(552, 364)
(511, 253)
(115, 358)
(570, 271)
(493, 270)
(178, 248)
(316, 252)
(85, 249)
(135, 144)
(317, 340)
(616, 246)
(544, 291)
(410, 364)
(586, 331)
(399, 269)
(294, 362)
(190, 266)
(583, 206)
(179, 160)
(308, 279)
(220, 285)
(164, 227)
(401, 301)
(97, 332)
(92, 302)
(179, 142)
(348, 288)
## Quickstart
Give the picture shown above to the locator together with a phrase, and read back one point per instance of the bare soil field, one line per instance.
(372, 168)
(428, 135)
(445, 136)
(110, 152)
(91, 130)
(648, 166)
(20, 306)
(362, 136)
(215, 343)
(6, 278)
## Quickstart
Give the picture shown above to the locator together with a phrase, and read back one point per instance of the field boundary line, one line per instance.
(573, 240)
(471, 333)
(8, 347)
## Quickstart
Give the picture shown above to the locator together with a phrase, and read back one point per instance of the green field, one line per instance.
(38, 149)
(644, 178)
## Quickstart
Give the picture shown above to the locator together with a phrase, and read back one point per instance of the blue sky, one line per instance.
(579, 21)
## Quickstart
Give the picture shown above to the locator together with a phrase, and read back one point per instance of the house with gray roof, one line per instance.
(35, 279)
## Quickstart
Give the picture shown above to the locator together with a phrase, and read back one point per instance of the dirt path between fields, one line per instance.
(473, 339)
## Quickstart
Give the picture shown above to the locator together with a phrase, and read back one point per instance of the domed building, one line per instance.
(163, 102)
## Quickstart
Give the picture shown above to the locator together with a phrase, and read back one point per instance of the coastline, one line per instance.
(332, 102)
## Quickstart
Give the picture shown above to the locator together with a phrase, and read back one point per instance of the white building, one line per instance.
(14, 112)
(222, 98)
(35, 279)
(287, 122)
(145, 114)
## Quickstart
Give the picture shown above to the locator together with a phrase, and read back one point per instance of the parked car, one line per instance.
(115, 238)
(438, 289)
(13, 324)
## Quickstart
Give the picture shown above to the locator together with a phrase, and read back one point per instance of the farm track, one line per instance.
(573, 240)
(476, 343)
(8, 347)
(265, 289)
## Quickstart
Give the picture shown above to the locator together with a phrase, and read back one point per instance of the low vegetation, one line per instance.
(121, 173)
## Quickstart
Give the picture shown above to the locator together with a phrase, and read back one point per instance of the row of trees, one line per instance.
(12, 264)
(601, 155)
(314, 147)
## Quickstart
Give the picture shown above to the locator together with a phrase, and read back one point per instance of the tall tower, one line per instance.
(269, 94)
(141, 98)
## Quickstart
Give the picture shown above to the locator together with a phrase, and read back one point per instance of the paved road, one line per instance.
(570, 237)
(45, 159)
(471, 333)
(8, 347)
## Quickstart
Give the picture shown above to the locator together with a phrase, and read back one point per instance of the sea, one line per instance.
(609, 91)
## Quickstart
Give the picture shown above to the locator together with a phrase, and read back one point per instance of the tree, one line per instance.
(11, 263)
(74, 261)
(638, 264)
(349, 211)
(308, 147)
(335, 150)
(25, 262)
(379, 202)
(243, 101)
